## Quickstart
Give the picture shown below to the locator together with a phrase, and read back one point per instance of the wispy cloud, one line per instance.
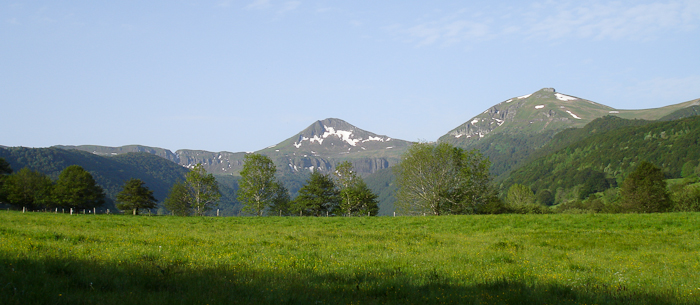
(615, 21)
(280, 8)
(224, 3)
(552, 21)
(289, 6)
(259, 5)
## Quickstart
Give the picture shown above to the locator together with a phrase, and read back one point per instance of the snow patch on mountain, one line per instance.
(573, 115)
(539, 106)
(564, 98)
(378, 139)
(524, 96)
(343, 135)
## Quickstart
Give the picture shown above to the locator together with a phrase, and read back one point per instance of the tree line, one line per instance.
(432, 179)
(644, 190)
(74, 188)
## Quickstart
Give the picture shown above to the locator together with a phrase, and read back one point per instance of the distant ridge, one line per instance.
(318, 147)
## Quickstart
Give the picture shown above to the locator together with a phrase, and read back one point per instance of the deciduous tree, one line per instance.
(442, 179)
(644, 190)
(5, 170)
(257, 186)
(76, 188)
(356, 197)
(178, 200)
(28, 188)
(519, 195)
(364, 201)
(203, 190)
(134, 196)
(318, 196)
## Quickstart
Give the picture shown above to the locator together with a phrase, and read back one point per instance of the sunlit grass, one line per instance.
(490, 259)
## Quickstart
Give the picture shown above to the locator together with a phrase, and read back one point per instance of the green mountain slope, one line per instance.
(511, 131)
(613, 154)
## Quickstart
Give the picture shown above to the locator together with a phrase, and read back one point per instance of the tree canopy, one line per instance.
(257, 188)
(203, 190)
(178, 200)
(442, 179)
(197, 194)
(519, 195)
(644, 190)
(76, 188)
(5, 168)
(318, 196)
(134, 196)
(356, 197)
(27, 188)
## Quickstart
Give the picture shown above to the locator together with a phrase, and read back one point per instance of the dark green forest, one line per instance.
(109, 172)
(602, 154)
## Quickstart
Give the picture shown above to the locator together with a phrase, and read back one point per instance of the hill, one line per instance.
(609, 155)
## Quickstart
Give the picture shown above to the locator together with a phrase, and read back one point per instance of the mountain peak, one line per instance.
(544, 110)
(335, 132)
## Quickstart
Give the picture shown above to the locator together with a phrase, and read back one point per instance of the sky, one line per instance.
(242, 75)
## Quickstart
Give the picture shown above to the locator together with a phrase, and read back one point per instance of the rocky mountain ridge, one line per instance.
(506, 133)
(318, 147)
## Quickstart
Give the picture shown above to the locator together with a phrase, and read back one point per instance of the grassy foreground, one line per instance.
(492, 259)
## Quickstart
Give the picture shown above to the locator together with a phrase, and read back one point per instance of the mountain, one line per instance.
(512, 130)
(326, 143)
(318, 147)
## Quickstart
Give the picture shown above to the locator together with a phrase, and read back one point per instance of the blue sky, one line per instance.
(243, 75)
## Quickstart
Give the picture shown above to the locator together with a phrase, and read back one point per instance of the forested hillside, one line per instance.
(604, 152)
(109, 172)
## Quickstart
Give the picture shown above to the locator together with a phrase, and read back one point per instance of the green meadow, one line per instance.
(50, 258)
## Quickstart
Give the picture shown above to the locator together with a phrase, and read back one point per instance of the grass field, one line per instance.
(491, 259)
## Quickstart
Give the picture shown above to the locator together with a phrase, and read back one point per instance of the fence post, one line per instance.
(71, 211)
(24, 209)
(217, 212)
(107, 211)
